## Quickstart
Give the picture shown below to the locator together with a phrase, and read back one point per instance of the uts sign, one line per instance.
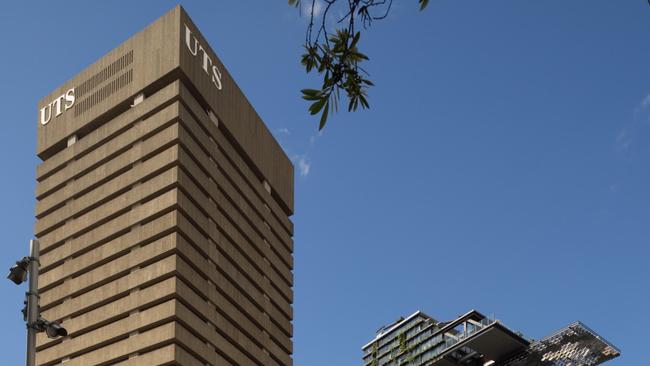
(195, 47)
(66, 101)
(59, 105)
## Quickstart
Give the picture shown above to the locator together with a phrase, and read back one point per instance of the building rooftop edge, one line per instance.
(391, 328)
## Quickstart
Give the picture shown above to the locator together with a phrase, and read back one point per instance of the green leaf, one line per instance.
(364, 102)
(310, 91)
(355, 40)
(308, 62)
(317, 106)
(311, 94)
(423, 4)
(323, 117)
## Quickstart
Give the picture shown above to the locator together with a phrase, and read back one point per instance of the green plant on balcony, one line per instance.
(402, 341)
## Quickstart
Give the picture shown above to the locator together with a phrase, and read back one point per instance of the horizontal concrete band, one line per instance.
(108, 131)
(110, 230)
(232, 285)
(250, 311)
(91, 220)
(257, 257)
(102, 336)
(218, 167)
(135, 195)
(137, 152)
(138, 260)
(217, 206)
(169, 355)
(79, 185)
(115, 310)
(165, 312)
(190, 210)
(150, 339)
(46, 256)
(228, 255)
(171, 133)
(116, 330)
(166, 181)
(227, 149)
(121, 201)
(106, 135)
(138, 256)
(112, 291)
(71, 188)
(139, 131)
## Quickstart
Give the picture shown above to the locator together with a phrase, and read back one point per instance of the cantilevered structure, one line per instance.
(476, 340)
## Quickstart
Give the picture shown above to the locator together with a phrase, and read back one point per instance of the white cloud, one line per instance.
(283, 131)
(303, 161)
(304, 166)
(312, 138)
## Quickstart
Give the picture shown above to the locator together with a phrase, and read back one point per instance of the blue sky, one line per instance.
(503, 165)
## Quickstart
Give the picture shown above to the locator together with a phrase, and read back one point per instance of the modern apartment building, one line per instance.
(163, 212)
(476, 340)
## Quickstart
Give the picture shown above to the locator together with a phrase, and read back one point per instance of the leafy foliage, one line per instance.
(336, 57)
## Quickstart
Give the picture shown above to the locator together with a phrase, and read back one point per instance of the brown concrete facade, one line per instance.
(163, 212)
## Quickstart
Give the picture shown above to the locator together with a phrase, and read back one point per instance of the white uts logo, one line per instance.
(194, 48)
(58, 105)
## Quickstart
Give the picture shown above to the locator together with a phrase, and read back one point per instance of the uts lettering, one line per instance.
(194, 47)
(58, 105)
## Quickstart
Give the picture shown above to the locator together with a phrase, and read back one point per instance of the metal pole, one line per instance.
(32, 301)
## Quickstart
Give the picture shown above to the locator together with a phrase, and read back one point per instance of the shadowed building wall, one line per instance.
(163, 207)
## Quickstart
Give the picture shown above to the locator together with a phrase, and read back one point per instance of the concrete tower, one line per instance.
(163, 212)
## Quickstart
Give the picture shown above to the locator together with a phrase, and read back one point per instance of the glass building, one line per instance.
(477, 340)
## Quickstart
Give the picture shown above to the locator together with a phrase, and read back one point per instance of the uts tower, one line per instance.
(163, 212)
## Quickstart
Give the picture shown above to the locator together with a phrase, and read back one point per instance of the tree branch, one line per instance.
(334, 53)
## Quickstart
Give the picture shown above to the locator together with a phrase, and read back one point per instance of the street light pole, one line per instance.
(28, 269)
(32, 301)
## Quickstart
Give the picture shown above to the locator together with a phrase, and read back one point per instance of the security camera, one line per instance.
(52, 329)
(55, 330)
(18, 273)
